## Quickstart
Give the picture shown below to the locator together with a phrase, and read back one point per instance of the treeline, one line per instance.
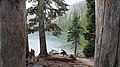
(65, 21)
(85, 13)
(56, 20)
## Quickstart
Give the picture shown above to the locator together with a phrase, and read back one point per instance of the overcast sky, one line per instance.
(70, 2)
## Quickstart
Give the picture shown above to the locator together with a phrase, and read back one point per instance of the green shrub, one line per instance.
(72, 57)
(89, 50)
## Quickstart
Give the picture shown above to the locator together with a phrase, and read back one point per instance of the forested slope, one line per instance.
(65, 21)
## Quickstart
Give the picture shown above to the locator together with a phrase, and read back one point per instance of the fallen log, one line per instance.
(63, 59)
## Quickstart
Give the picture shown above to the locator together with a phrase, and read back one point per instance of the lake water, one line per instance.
(52, 42)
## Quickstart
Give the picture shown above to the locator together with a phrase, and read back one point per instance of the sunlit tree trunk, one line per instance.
(107, 53)
(12, 33)
(43, 47)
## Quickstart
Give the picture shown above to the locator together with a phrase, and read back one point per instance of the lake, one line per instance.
(52, 42)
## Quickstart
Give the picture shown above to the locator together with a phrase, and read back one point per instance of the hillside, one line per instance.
(65, 21)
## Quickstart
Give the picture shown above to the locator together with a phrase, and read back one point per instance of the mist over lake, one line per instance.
(52, 43)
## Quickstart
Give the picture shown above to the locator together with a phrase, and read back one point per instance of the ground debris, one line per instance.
(63, 59)
(63, 62)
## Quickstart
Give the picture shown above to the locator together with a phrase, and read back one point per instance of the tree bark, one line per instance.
(107, 51)
(12, 33)
(27, 44)
(75, 52)
(43, 47)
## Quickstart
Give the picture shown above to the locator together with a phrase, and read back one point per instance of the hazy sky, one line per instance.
(70, 2)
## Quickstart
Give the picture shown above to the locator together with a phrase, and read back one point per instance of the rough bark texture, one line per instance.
(12, 33)
(107, 53)
(43, 47)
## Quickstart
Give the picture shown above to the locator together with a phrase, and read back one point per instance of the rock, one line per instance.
(54, 51)
(63, 52)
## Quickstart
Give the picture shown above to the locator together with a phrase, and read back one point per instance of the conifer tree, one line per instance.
(90, 34)
(74, 32)
(45, 12)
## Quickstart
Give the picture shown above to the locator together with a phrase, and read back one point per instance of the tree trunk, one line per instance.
(12, 33)
(27, 43)
(107, 52)
(43, 48)
(27, 46)
(75, 52)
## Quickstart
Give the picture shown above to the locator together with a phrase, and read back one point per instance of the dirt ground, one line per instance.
(79, 62)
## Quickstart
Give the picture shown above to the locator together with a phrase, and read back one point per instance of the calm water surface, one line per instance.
(52, 42)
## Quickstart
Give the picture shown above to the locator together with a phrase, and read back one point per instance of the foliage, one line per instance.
(90, 16)
(74, 32)
(88, 50)
(72, 57)
(44, 12)
(90, 34)
(82, 56)
(54, 28)
(50, 11)
(83, 42)
(66, 20)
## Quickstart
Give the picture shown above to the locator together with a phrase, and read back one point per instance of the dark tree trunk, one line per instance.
(75, 52)
(43, 47)
(12, 33)
(27, 46)
(27, 43)
(107, 53)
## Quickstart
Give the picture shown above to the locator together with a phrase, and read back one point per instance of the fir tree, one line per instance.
(74, 32)
(45, 12)
(90, 34)
(52, 10)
